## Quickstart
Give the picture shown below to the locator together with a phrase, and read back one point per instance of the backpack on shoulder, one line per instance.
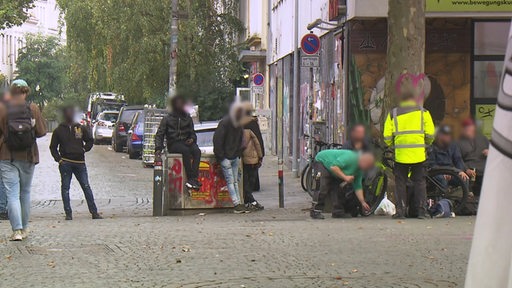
(20, 129)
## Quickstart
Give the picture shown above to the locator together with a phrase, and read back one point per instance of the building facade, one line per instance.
(45, 18)
(465, 47)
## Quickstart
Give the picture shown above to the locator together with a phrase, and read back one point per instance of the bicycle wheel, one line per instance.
(445, 183)
(305, 173)
(374, 190)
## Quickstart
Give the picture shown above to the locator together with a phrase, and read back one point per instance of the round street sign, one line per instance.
(310, 44)
(258, 79)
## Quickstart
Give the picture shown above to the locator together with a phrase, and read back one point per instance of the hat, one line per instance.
(445, 130)
(468, 122)
(19, 83)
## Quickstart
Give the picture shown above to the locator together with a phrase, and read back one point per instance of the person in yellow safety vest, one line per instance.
(409, 129)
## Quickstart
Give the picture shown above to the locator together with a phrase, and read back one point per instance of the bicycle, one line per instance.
(375, 186)
(307, 173)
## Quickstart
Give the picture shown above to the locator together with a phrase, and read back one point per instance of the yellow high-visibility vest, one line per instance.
(409, 129)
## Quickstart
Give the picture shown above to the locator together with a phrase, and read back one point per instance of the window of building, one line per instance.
(490, 43)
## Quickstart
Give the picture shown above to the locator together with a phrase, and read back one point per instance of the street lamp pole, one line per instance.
(173, 48)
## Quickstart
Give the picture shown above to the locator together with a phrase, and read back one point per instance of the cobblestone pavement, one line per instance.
(272, 248)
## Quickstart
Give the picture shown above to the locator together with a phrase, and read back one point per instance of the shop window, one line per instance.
(486, 78)
(490, 43)
(491, 38)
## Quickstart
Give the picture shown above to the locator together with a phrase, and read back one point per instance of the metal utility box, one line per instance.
(176, 199)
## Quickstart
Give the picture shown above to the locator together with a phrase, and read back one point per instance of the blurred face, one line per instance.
(358, 133)
(444, 139)
(469, 131)
(69, 115)
(366, 161)
(6, 97)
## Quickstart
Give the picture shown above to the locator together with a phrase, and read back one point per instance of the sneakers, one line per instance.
(96, 216)
(398, 216)
(255, 206)
(315, 214)
(17, 236)
(240, 208)
(69, 216)
(193, 184)
(4, 216)
(24, 233)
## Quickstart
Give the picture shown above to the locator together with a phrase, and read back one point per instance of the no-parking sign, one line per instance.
(310, 44)
(258, 79)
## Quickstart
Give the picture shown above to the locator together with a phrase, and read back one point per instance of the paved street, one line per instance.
(273, 248)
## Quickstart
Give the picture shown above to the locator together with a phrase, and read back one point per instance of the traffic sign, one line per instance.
(258, 90)
(310, 44)
(258, 79)
(310, 61)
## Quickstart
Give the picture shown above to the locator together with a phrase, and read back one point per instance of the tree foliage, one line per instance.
(14, 12)
(208, 56)
(123, 46)
(42, 63)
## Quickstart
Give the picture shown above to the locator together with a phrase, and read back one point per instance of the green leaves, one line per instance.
(42, 63)
(13, 12)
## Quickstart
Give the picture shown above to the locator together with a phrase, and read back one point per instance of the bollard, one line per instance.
(280, 177)
(158, 209)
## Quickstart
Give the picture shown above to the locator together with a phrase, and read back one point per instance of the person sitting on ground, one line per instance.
(358, 140)
(445, 153)
(21, 122)
(474, 147)
(177, 128)
(252, 157)
(335, 167)
(69, 143)
(227, 147)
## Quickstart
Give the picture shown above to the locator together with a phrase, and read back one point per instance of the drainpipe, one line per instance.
(296, 98)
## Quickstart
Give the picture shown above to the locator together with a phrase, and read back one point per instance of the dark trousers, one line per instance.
(420, 186)
(250, 177)
(67, 170)
(329, 186)
(191, 155)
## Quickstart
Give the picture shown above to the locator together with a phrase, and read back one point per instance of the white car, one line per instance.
(103, 126)
(204, 132)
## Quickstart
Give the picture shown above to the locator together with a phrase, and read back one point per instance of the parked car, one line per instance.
(136, 136)
(122, 125)
(204, 132)
(103, 126)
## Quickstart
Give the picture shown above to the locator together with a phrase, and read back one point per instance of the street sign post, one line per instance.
(310, 61)
(310, 44)
(258, 79)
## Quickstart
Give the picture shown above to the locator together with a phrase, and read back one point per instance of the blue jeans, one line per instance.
(67, 170)
(17, 178)
(3, 198)
(230, 170)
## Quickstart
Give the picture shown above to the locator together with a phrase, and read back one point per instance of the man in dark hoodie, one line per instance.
(69, 143)
(177, 128)
(227, 147)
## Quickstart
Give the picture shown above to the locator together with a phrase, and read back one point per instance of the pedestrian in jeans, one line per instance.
(177, 128)
(252, 157)
(69, 143)
(227, 147)
(20, 123)
(6, 96)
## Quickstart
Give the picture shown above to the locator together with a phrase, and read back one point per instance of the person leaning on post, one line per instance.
(409, 129)
(21, 123)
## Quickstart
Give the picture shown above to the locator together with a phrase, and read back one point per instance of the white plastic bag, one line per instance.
(385, 208)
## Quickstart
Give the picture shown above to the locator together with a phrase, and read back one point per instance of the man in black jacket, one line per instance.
(69, 143)
(227, 147)
(177, 128)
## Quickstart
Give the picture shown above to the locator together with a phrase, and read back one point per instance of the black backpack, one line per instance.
(20, 131)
